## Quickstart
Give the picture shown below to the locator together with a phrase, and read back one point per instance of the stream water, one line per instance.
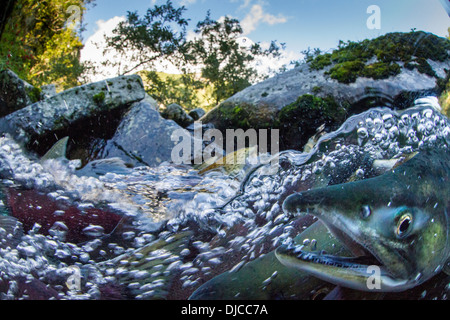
(161, 233)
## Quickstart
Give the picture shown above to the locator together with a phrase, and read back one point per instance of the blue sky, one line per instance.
(298, 23)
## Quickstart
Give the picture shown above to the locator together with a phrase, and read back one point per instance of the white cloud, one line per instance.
(271, 65)
(95, 45)
(268, 65)
(245, 3)
(187, 2)
(256, 16)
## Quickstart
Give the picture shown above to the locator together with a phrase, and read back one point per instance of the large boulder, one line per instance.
(143, 137)
(197, 113)
(64, 112)
(392, 71)
(176, 113)
(15, 93)
(113, 118)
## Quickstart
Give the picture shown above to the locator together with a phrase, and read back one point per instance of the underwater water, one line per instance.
(164, 232)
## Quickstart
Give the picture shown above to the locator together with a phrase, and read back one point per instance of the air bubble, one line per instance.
(362, 133)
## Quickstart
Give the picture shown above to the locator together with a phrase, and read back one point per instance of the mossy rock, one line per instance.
(34, 94)
(298, 121)
(321, 62)
(232, 115)
(300, 100)
(347, 72)
(353, 59)
(236, 115)
(381, 70)
(15, 93)
(99, 98)
(177, 113)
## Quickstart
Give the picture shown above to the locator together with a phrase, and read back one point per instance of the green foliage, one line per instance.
(444, 100)
(352, 59)
(226, 63)
(299, 120)
(321, 62)
(99, 98)
(5, 12)
(150, 38)
(34, 94)
(444, 85)
(235, 116)
(214, 64)
(40, 46)
(183, 89)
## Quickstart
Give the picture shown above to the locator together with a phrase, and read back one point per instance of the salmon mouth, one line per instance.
(353, 271)
(361, 257)
(322, 258)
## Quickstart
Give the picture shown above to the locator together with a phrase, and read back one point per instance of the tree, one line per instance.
(140, 42)
(182, 89)
(217, 54)
(225, 61)
(39, 43)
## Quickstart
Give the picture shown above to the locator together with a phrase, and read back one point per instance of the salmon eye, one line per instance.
(403, 225)
(365, 212)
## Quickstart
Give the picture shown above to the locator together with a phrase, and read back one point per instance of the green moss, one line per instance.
(424, 67)
(298, 121)
(317, 89)
(34, 94)
(307, 104)
(444, 99)
(264, 94)
(99, 98)
(347, 72)
(321, 62)
(381, 70)
(235, 116)
(351, 59)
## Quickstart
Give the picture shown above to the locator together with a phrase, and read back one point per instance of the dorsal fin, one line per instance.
(58, 150)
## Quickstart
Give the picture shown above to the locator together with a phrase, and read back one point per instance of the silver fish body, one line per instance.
(396, 225)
